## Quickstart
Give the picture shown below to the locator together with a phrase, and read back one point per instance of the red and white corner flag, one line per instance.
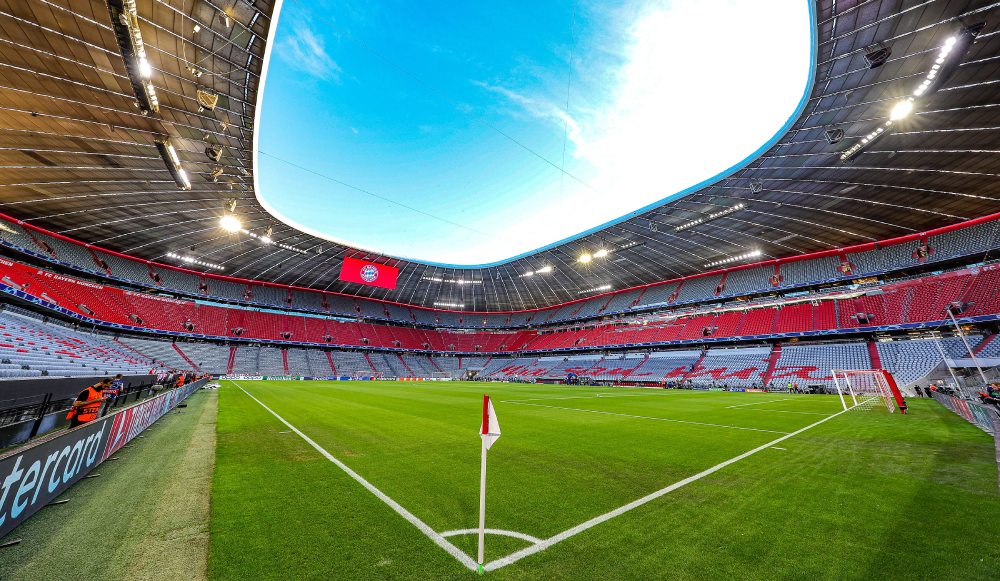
(489, 430)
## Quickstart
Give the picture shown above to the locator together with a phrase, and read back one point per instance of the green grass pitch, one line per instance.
(862, 495)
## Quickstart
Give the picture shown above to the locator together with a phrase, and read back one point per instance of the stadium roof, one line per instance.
(80, 158)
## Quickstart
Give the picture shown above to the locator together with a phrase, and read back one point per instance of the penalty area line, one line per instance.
(518, 555)
(421, 525)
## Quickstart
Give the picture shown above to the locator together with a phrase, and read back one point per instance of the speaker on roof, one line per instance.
(877, 54)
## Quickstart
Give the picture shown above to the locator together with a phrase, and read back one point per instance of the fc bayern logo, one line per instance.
(369, 273)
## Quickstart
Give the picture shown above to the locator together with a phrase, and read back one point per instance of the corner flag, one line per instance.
(489, 431)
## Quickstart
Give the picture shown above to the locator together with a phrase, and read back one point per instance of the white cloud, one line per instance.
(541, 109)
(306, 51)
(700, 86)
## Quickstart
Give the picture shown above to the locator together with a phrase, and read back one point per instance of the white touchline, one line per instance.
(758, 402)
(518, 555)
(555, 407)
(438, 539)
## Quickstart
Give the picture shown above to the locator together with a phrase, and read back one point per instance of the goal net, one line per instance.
(863, 389)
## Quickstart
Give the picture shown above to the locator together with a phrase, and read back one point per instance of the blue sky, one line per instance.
(468, 133)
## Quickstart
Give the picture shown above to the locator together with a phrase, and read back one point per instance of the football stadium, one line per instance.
(653, 289)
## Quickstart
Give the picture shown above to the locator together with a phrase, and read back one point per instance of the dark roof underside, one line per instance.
(77, 157)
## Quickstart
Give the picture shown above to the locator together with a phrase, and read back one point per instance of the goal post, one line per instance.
(867, 389)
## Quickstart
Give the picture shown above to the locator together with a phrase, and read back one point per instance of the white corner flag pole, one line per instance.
(482, 508)
(490, 432)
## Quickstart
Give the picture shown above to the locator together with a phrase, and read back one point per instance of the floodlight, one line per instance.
(173, 162)
(585, 258)
(544, 270)
(901, 110)
(601, 253)
(230, 223)
(125, 24)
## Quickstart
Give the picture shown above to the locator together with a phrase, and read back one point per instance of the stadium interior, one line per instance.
(134, 241)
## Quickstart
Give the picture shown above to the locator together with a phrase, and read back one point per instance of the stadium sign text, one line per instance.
(32, 477)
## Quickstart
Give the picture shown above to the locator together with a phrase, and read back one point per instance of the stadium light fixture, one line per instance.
(230, 223)
(449, 305)
(597, 289)
(601, 253)
(737, 258)
(267, 237)
(544, 270)
(901, 109)
(946, 62)
(186, 259)
(710, 217)
(585, 258)
(125, 23)
(173, 162)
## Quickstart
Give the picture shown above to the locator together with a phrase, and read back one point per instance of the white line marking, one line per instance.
(589, 396)
(421, 525)
(776, 448)
(758, 402)
(783, 412)
(500, 532)
(518, 555)
(555, 407)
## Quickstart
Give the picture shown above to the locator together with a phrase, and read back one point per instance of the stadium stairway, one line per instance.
(873, 354)
(982, 344)
(333, 366)
(772, 362)
(635, 370)
(370, 364)
(405, 365)
(232, 360)
(186, 358)
(284, 360)
(696, 366)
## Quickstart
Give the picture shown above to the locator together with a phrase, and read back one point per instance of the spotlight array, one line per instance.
(125, 22)
(947, 61)
(737, 258)
(543, 270)
(603, 287)
(195, 261)
(449, 305)
(710, 217)
(458, 281)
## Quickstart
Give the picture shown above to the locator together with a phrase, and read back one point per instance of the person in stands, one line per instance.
(180, 380)
(111, 391)
(88, 404)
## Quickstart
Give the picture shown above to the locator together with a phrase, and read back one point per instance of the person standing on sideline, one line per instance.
(88, 404)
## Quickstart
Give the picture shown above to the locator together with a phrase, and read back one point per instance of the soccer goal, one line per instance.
(866, 389)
